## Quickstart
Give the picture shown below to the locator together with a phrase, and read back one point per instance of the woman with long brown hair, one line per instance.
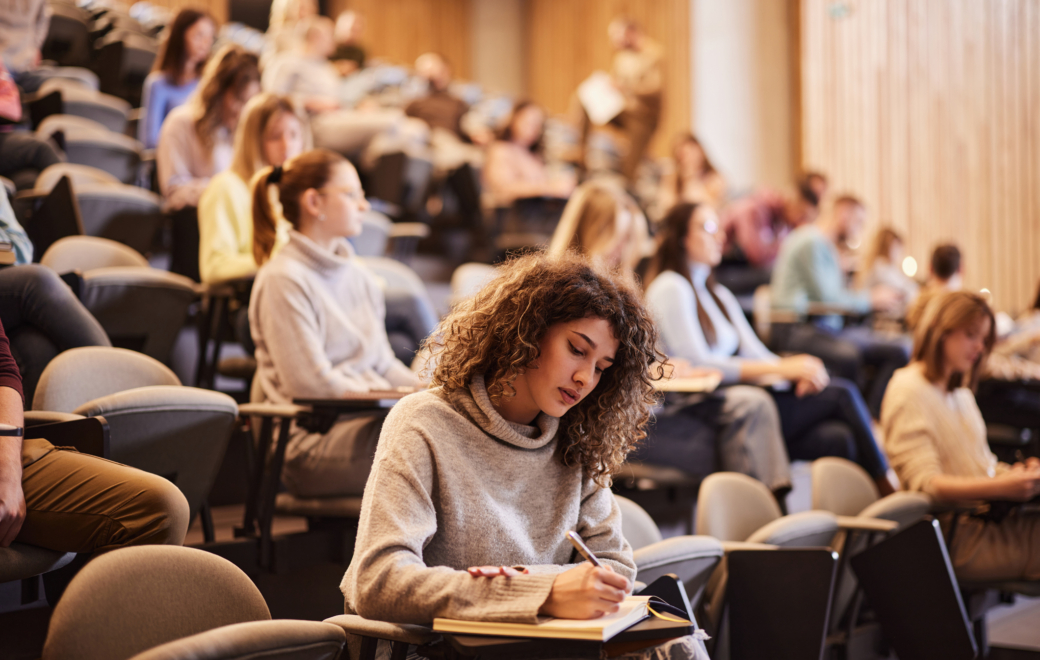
(936, 439)
(542, 386)
(702, 322)
(196, 142)
(317, 317)
(177, 69)
(694, 177)
(736, 429)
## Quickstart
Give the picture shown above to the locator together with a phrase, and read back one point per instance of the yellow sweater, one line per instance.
(226, 230)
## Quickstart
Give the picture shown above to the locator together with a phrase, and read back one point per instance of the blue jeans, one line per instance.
(846, 352)
(42, 317)
(834, 422)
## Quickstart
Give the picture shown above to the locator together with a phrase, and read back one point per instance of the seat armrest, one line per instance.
(394, 632)
(730, 546)
(858, 524)
(804, 529)
(89, 435)
(37, 417)
(282, 410)
(409, 230)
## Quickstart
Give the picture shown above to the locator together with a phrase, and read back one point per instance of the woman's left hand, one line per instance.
(494, 571)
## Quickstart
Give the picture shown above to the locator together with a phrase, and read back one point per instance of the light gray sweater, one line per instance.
(317, 319)
(455, 485)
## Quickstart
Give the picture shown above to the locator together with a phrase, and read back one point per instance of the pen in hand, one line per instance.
(583, 549)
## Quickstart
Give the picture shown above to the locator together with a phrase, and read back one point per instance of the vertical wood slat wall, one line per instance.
(401, 30)
(930, 111)
(567, 40)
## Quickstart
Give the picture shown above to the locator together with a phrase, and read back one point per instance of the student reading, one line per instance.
(542, 387)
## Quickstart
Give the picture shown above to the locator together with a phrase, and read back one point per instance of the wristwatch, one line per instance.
(10, 430)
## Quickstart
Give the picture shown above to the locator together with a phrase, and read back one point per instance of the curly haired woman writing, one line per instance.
(543, 387)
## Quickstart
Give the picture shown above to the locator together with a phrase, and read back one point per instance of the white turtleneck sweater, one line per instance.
(455, 485)
(673, 305)
(318, 320)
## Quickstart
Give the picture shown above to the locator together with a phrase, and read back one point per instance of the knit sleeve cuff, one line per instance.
(518, 599)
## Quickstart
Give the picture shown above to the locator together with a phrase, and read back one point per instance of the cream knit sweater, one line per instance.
(455, 485)
(318, 320)
(928, 431)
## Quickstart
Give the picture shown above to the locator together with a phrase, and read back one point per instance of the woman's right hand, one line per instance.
(586, 592)
(808, 373)
(1021, 483)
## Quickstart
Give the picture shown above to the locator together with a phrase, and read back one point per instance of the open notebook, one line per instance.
(633, 610)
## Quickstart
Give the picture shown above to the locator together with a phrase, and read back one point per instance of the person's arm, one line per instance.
(153, 100)
(390, 581)
(12, 499)
(43, 23)
(220, 217)
(502, 181)
(290, 329)
(173, 158)
(670, 298)
(12, 232)
(825, 280)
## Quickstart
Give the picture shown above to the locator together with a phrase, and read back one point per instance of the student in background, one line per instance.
(701, 321)
(515, 166)
(349, 56)
(176, 73)
(735, 428)
(808, 270)
(317, 317)
(195, 142)
(884, 267)
(944, 275)
(542, 386)
(270, 133)
(936, 440)
(693, 178)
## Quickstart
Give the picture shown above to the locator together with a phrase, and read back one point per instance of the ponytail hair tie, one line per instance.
(276, 175)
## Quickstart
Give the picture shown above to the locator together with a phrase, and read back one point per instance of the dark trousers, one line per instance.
(846, 353)
(42, 317)
(834, 422)
(23, 156)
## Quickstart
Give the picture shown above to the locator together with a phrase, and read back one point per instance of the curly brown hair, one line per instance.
(497, 332)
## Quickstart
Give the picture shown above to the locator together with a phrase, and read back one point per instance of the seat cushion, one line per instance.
(318, 507)
(20, 561)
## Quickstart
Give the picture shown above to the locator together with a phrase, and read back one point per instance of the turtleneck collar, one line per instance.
(317, 257)
(476, 404)
(699, 272)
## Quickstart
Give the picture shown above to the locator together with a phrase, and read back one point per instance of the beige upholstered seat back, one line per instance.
(731, 506)
(85, 253)
(79, 175)
(133, 599)
(80, 375)
(841, 487)
(638, 528)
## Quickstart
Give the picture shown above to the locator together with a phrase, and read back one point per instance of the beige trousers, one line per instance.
(80, 503)
(990, 551)
(336, 463)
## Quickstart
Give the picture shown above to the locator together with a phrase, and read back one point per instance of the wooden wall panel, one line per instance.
(930, 111)
(218, 8)
(567, 40)
(401, 30)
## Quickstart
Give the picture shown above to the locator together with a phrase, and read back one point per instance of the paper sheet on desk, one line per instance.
(600, 98)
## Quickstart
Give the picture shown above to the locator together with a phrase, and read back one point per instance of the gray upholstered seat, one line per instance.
(163, 602)
(120, 212)
(95, 145)
(156, 424)
(20, 561)
(139, 307)
(109, 111)
(85, 253)
(690, 558)
(78, 174)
